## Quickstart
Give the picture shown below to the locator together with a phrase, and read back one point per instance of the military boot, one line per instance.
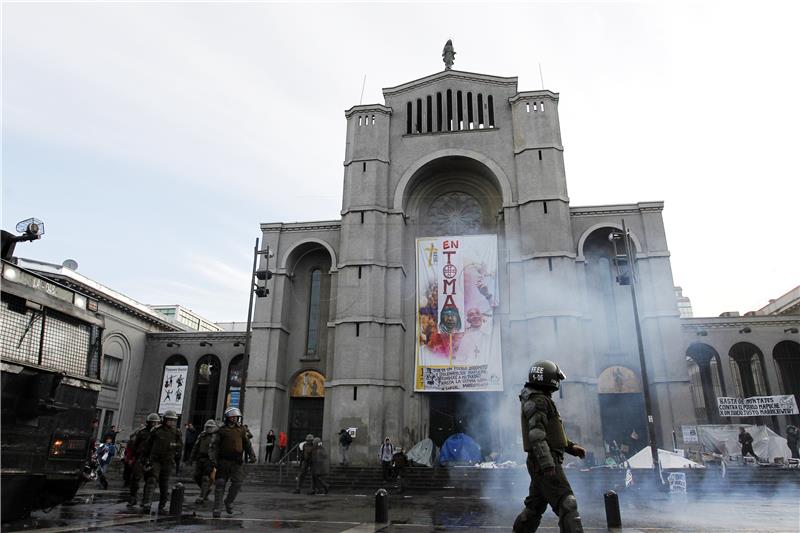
(219, 493)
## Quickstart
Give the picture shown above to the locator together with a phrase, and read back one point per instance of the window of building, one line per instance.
(110, 371)
(313, 312)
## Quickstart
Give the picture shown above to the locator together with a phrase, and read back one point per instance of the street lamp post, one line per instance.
(629, 278)
(260, 291)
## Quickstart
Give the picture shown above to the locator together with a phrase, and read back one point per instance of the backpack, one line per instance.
(345, 439)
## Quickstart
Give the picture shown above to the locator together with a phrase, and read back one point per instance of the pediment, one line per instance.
(451, 75)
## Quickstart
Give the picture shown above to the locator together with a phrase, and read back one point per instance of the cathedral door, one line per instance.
(622, 412)
(306, 406)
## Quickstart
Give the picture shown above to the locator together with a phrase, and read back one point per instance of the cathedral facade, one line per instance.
(341, 341)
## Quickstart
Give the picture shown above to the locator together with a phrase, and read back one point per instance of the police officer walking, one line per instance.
(136, 446)
(544, 439)
(159, 454)
(201, 460)
(225, 452)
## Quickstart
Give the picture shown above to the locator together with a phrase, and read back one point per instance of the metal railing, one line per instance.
(286, 458)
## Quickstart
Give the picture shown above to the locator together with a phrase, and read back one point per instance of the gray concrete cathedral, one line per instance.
(337, 343)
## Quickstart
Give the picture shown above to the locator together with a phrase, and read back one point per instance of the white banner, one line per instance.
(757, 406)
(173, 388)
(458, 339)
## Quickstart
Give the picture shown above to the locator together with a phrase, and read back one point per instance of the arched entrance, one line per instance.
(704, 373)
(747, 367)
(306, 406)
(787, 358)
(622, 411)
(206, 389)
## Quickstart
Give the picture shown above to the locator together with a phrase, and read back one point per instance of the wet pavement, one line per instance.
(259, 510)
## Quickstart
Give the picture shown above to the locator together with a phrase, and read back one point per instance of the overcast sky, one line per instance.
(153, 138)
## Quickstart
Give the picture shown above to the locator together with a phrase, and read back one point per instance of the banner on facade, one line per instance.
(173, 389)
(757, 406)
(458, 338)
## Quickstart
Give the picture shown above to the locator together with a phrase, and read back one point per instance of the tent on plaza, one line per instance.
(423, 453)
(724, 439)
(668, 460)
(459, 449)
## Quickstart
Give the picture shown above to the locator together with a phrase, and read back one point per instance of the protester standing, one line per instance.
(283, 442)
(306, 449)
(270, 446)
(345, 439)
(191, 438)
(105, 454)
(792, 437)
(385, 455)
(746, 440)
(320, 466)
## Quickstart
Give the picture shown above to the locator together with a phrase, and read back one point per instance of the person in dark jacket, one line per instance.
(191, 438)
(270, 446)
(320, 466)
(386, 455)
(545, 441)
(227, 452)
(746, 440)
(159, 453)
(345, 440)
(306, 449)
(203, 469)
(792, 437)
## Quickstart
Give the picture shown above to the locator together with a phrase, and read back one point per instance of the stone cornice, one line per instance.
(450, 75)
(368, 319)
(531, 95)
(197, 336)
(325, 225)
(368, 108)
(697, 323)
(619, 209)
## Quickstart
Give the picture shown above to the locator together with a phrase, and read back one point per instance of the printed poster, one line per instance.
(173, 389)
(458, 338)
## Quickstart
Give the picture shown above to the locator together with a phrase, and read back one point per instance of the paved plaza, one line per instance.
(442, 510)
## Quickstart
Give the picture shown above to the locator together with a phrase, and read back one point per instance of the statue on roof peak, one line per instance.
(448, 55)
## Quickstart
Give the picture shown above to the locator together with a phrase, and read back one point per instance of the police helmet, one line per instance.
(170, 415)
(232, 412)
(210, 426)
(153, 417)
(310, 437)
(545, 375)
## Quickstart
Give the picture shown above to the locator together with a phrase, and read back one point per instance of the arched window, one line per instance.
(313, 312)
(747, 368)
(697, 389)
(418, 128)
(787, 358)
(234, 387)
(490, 103)
(429, 114)
(409, 117)
(449, 110)
(206, 389)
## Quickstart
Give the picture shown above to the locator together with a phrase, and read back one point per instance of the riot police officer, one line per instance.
(202, 462)
(135, 447)
(225, 452)
(159, 454)
(544, 439)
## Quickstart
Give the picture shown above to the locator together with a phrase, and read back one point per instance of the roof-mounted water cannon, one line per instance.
(30, 230)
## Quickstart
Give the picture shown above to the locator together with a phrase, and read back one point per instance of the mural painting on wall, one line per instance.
(618, 380)
(308, 384)
(458, 346)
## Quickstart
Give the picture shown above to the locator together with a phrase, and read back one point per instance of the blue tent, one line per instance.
(459, 448)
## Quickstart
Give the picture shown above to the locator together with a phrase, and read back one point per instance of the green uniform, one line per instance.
(159, 452)
(136, 444)
(544, 439)
(226, 452)
(202, 463)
